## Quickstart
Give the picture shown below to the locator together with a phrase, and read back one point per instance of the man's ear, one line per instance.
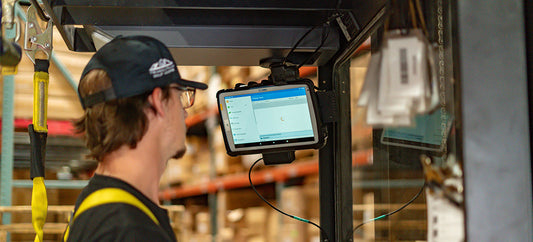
(156, 101)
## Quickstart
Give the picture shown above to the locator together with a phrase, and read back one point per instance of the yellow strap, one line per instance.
(109, 195)
(9, 70)
(40, 100)
(39, 207)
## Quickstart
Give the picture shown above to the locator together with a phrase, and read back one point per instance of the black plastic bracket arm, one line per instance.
(327, 106)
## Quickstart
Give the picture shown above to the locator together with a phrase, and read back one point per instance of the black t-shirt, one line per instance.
(119, 221)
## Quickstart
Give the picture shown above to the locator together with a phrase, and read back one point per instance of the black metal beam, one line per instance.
(528, 7)
(254, 29)
(491, 69)
(326, 163)
(343, 156)
(335, 159)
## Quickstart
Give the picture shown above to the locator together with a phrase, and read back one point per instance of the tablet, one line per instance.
(268, 119)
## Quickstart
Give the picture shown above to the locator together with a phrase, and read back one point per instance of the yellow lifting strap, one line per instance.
(38, 131)
(38, 48)
(40, 101)
(105, 196)
(39, 206)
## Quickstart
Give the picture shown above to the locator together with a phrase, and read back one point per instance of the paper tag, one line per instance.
(407, 66)
(445, 220)
(371, 78)
(400, 81)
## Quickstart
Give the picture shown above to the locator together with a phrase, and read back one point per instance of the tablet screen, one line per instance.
(268, 117)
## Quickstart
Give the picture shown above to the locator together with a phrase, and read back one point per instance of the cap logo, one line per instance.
(162, 67)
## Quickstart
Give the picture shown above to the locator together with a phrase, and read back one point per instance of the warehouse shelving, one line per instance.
(268, 175)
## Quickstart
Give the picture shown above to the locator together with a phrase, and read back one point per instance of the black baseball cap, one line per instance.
(135, 64)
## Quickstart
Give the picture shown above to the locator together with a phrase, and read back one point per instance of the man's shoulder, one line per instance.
(120, 213)
(114, 221)
(111, 219)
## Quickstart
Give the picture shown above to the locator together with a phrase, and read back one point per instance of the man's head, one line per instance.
(122, 85)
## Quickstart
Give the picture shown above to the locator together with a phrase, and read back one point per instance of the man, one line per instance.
(134, 122)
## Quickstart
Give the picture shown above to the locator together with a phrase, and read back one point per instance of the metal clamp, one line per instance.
(8, 13)
(447, 180)
(34, 38)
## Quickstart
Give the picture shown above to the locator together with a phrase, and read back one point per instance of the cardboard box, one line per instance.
(312, 197)
(203, 223)
(293, 232)
(293, 202)
(256, 221)
(200, 238)
(177, 172)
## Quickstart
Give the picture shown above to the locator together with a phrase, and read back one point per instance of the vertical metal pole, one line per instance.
(64, 70)
(212, 201)
(212, 197)
(6, 171)
(7, 145)
(326, 159)
(335, 158)
(210, 124)
(343, 154)
(495, 130)
(279, 191)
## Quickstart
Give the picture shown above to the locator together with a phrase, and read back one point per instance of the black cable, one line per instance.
(298, 43)
(272, 206)
(335, 15)
(338, 5)
(393, 212)
(325, 35)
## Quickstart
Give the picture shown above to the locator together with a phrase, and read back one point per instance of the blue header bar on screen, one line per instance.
(299, 91)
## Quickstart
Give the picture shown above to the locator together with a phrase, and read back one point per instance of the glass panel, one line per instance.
(393, 174)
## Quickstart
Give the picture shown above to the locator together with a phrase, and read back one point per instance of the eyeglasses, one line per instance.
(186, 95)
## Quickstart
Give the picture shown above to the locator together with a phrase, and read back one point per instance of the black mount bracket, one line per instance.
(280, 73)
(278, 158)
(327, 105)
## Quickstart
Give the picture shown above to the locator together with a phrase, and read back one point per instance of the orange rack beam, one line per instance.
(268, 175)
(65, 127)
(201, 116)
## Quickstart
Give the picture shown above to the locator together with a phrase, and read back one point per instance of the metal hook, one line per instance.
(34, 38)
(17, 26)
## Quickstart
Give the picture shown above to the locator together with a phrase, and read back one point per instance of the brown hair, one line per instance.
(105, 127)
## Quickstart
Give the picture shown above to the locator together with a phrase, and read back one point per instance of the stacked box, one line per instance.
(224, 164)
(200, 238)
(294, 203)
(256, 219)
(200, 158)
(177, 171)
(203, 223)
